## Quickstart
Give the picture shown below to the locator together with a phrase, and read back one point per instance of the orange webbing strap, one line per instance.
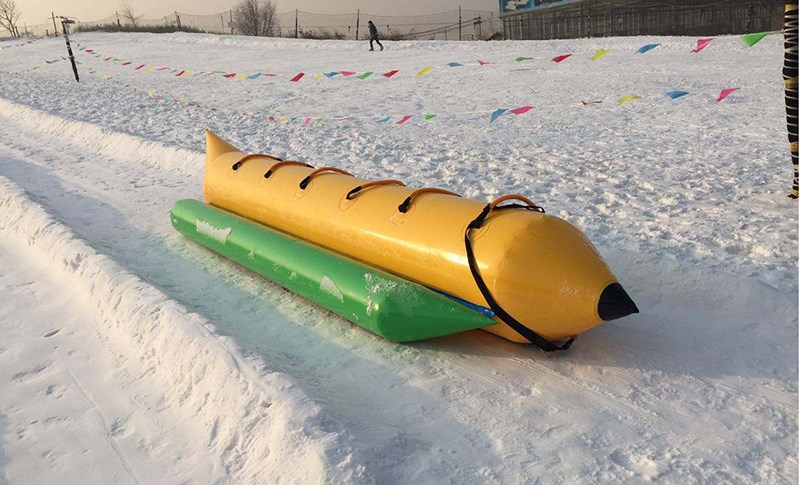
(493, 205)
(430, 190)
(252, 155)
(304, 183)
(284, 163)
(376, 183)
(533, 337)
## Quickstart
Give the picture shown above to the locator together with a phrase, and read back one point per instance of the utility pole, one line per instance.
(55, 28)
(296, 35)
(358, 17)
(178, 20)
(119, 24)
(459, 22)
(65, 25)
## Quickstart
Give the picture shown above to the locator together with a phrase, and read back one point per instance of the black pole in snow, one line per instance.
(65, 25)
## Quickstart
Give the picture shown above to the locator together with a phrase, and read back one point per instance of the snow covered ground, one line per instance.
(129, 354)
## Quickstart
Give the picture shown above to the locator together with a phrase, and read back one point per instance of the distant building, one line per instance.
(569, 19)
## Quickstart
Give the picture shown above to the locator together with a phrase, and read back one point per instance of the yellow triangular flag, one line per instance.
(241, 76)
(317, 77)
(149, 69)
(627, 98)
(188, 74)
(599, 54)
(425, 70)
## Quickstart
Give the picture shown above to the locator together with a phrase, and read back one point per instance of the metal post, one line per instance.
(790, 84)
(296, 33)
(119, 24)
(55, 28)
(231, 17)
(178, 20)
(358, 18)
(65, 25)
(459, 22)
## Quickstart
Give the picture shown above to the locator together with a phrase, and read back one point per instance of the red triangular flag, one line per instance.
(228, 76)
(125, 63)
(179, 74)
(404, 119)
(483, 63)
(391, 73)
(520, 110)
(140, 66)
(725, 92)
(702, 44)
(347, 73)
(588, 103)
(560, 58)
(297, 77)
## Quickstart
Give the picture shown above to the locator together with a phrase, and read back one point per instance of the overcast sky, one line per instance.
(38, 11)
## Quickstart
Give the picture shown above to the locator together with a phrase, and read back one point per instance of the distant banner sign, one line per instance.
(508, 7)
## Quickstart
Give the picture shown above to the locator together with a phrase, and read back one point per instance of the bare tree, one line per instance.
(127, 13)
(9, 14)
(255, 17)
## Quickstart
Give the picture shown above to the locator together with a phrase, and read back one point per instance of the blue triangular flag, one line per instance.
(454, 64)
(496, 114)
(254, 76)
(331, 74)
(676, 94)
(385, 120)
(646, 48)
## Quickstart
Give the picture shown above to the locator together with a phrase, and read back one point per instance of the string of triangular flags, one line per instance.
(748, 39)
(493, 115)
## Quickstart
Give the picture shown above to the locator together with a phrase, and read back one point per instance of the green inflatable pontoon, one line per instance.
(392, 307)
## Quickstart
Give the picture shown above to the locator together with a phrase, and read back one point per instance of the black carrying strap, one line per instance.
(536, 339)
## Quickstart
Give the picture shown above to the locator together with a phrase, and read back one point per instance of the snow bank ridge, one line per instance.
(113, 144)
(207, 381)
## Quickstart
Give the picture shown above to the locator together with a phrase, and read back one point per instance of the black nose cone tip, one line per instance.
(615, 303)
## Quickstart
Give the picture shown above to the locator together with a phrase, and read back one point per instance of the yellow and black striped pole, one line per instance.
(790, 83)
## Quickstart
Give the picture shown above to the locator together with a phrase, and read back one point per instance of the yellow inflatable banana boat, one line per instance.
(540, 276)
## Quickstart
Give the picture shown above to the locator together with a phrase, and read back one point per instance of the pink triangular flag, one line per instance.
(520, 110)
(483, 63)
(702, 44)
(725, 92)
(297, 77)
(391, 73)
(560, 58)
(125, 63)
(308, 120)
(272, 119)
(404, 119)
(347, 73)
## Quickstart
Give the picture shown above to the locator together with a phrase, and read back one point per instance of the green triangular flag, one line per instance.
(520, 59)
(429, 116)
(365, 75)
(752, 39)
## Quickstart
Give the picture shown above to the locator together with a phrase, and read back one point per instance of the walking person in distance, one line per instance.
(373, 36)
